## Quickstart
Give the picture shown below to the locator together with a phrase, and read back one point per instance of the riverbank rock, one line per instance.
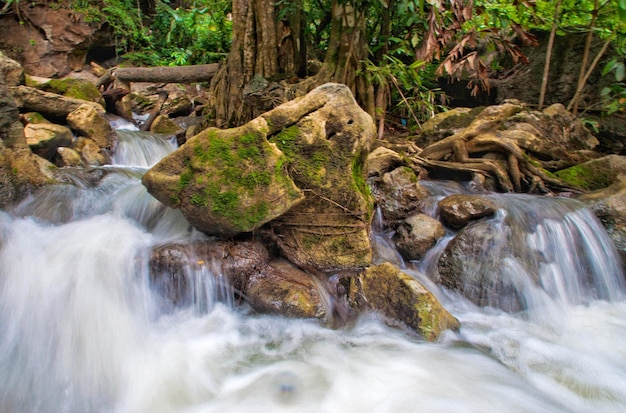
(45, 138)
(456, 211)
(401, 298)
(21, 171)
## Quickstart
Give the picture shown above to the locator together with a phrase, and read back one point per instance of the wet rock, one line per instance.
(45, 138)
(609, 205)
(179, 271)
(472, 263)
(398, 194)
(457, 210)
(402, 299)
(416, 235)
(382, 160)
(91, 123)
(302, 161)
(283, 289)
(91, 153)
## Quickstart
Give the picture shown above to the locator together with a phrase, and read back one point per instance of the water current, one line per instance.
(81, 329)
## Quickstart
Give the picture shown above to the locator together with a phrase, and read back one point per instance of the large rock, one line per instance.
(326, 138)
(302, 161)
(226, 182)
(472, 263)
(283, 289)
(73, 88)
(416, 235)
(458, 210)
(400, 298)
(595, 174)
(48, 41)
(91, 123)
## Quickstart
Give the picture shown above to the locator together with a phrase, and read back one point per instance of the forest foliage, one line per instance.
(411, 43)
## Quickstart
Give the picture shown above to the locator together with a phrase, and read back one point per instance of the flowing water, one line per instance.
(81, 329)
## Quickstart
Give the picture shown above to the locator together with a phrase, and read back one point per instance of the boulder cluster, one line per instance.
(287, 200)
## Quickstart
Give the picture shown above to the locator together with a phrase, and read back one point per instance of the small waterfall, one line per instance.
(84, 329)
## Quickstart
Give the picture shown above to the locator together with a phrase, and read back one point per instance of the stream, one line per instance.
(81, 329)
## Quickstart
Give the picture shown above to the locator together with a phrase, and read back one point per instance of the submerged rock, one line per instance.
(401, 298)
(473, 264)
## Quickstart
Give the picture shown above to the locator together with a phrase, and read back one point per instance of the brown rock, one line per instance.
(281, 288)
(416, 235)
(45, 138)
(91, 123)
(401, 298)
(457, 210)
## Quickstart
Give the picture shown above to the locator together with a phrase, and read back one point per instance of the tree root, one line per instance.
(471, 150)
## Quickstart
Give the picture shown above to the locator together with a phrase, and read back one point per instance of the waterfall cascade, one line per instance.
(81, 329)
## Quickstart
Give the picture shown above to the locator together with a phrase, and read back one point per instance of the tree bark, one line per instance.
(347, 49)
(167, 74)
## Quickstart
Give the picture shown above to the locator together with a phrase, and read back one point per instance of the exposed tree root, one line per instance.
(481, 149)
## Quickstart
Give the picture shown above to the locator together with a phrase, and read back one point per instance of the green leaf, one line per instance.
(620, 72)
(609, 66)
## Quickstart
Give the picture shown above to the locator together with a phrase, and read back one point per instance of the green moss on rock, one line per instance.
(586, 176)
(74, 88)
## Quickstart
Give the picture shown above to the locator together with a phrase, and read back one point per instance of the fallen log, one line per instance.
(167, 74)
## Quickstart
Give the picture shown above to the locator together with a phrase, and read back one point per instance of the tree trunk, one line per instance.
(253, 59)
(546, 69)
(167, 74)
(347, 48)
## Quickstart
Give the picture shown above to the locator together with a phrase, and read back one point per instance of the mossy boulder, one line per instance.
(226, 182)
(326, 138)
(73, 88)
(398, 193)
(303, 161)
(402, 299)
(595, 174)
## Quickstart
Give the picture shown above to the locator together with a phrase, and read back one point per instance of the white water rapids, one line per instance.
(81, 330)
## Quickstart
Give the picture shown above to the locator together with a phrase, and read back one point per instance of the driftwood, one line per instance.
(167, 74)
